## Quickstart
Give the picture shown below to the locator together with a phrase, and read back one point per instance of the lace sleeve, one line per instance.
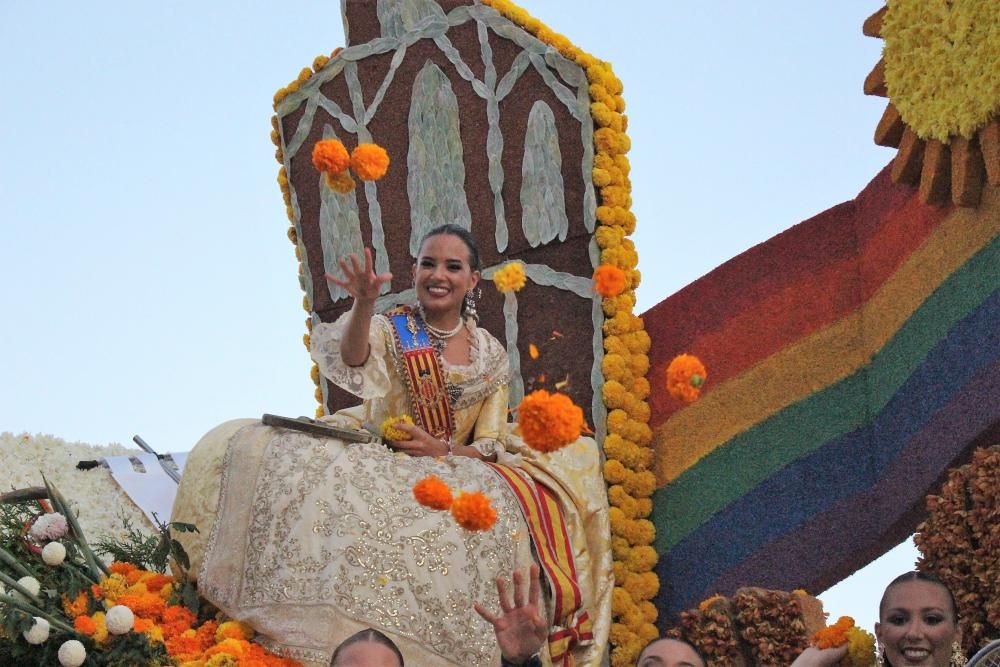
(369, 380)
(490, 425)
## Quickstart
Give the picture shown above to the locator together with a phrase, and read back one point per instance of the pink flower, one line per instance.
(49, 526)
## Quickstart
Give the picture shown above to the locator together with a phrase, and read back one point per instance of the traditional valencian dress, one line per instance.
(316, 538)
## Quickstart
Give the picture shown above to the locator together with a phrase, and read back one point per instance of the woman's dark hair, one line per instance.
(917, 575)
(462, 233)
(370, 635)
(691, 646)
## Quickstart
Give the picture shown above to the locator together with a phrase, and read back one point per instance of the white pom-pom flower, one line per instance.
(54, 553)
(72, 653)
(38, 632)
(49, 526)
(30, 584)
(119, 619)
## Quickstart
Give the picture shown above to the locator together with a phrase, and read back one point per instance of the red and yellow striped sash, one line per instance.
(571, 623)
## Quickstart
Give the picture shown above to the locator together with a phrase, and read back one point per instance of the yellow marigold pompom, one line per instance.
(473, 511)
(609, 280)
(510, 278)
(330, 156)
(432, 492)
(685, 377)
(860, 648)
(549, 421)
(369, 162)
(341, 183)
(389, 430)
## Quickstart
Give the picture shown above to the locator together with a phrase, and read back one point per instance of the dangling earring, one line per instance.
(879, 655)
(469, 304)
(958, 658)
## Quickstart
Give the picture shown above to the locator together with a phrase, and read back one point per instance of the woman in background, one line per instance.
(918, 627)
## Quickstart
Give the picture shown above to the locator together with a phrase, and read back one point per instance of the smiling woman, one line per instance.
(918, 623)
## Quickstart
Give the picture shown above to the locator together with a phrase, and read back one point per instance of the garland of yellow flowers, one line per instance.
(626, 343)
(318, 63)
(627, 446)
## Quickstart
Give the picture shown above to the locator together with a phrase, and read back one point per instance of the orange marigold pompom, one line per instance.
(341, 182)
(549, 421)
(432, 492)
(473, 511)
(685, 377)
(84, 624)
(833, 635)
(369, 162)
(329, 155)
(609, 280)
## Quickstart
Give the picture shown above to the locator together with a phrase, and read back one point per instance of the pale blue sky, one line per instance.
(146, 283)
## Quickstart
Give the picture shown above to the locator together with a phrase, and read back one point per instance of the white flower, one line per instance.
(50, 526)
(30, 584)
(119, 619)
(54, 553)
(72, 653)
(38, 632)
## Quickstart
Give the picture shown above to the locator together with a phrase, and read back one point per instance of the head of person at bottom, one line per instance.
(446, 270)
(918, 622)
(670, 653)
(368, 648)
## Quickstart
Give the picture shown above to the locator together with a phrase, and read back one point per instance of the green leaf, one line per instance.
(179, 554)
(183, 527)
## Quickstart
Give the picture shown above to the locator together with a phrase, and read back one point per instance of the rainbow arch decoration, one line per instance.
(852, 360)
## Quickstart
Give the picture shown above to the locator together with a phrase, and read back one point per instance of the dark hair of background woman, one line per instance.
(369, 635)
(917, 575)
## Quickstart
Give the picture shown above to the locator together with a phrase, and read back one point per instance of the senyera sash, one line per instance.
(422, 372)
(571, 623)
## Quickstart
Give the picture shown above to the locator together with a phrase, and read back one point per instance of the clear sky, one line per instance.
(146, 283)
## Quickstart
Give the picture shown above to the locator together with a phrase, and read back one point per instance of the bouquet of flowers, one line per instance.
(61, 604)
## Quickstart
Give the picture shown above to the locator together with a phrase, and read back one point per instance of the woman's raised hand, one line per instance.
(520, 629)
(361, 282)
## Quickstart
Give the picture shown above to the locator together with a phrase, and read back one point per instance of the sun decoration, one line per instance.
(940, 69)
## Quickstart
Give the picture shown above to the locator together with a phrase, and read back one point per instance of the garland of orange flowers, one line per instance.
(626, 343)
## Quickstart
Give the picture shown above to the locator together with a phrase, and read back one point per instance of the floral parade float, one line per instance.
(843, 385)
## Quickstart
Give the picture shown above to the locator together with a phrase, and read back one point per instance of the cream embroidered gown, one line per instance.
(315, 539)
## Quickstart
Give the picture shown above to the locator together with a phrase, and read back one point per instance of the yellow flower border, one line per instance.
(627, 447)
(318, 63)
(629, 456)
